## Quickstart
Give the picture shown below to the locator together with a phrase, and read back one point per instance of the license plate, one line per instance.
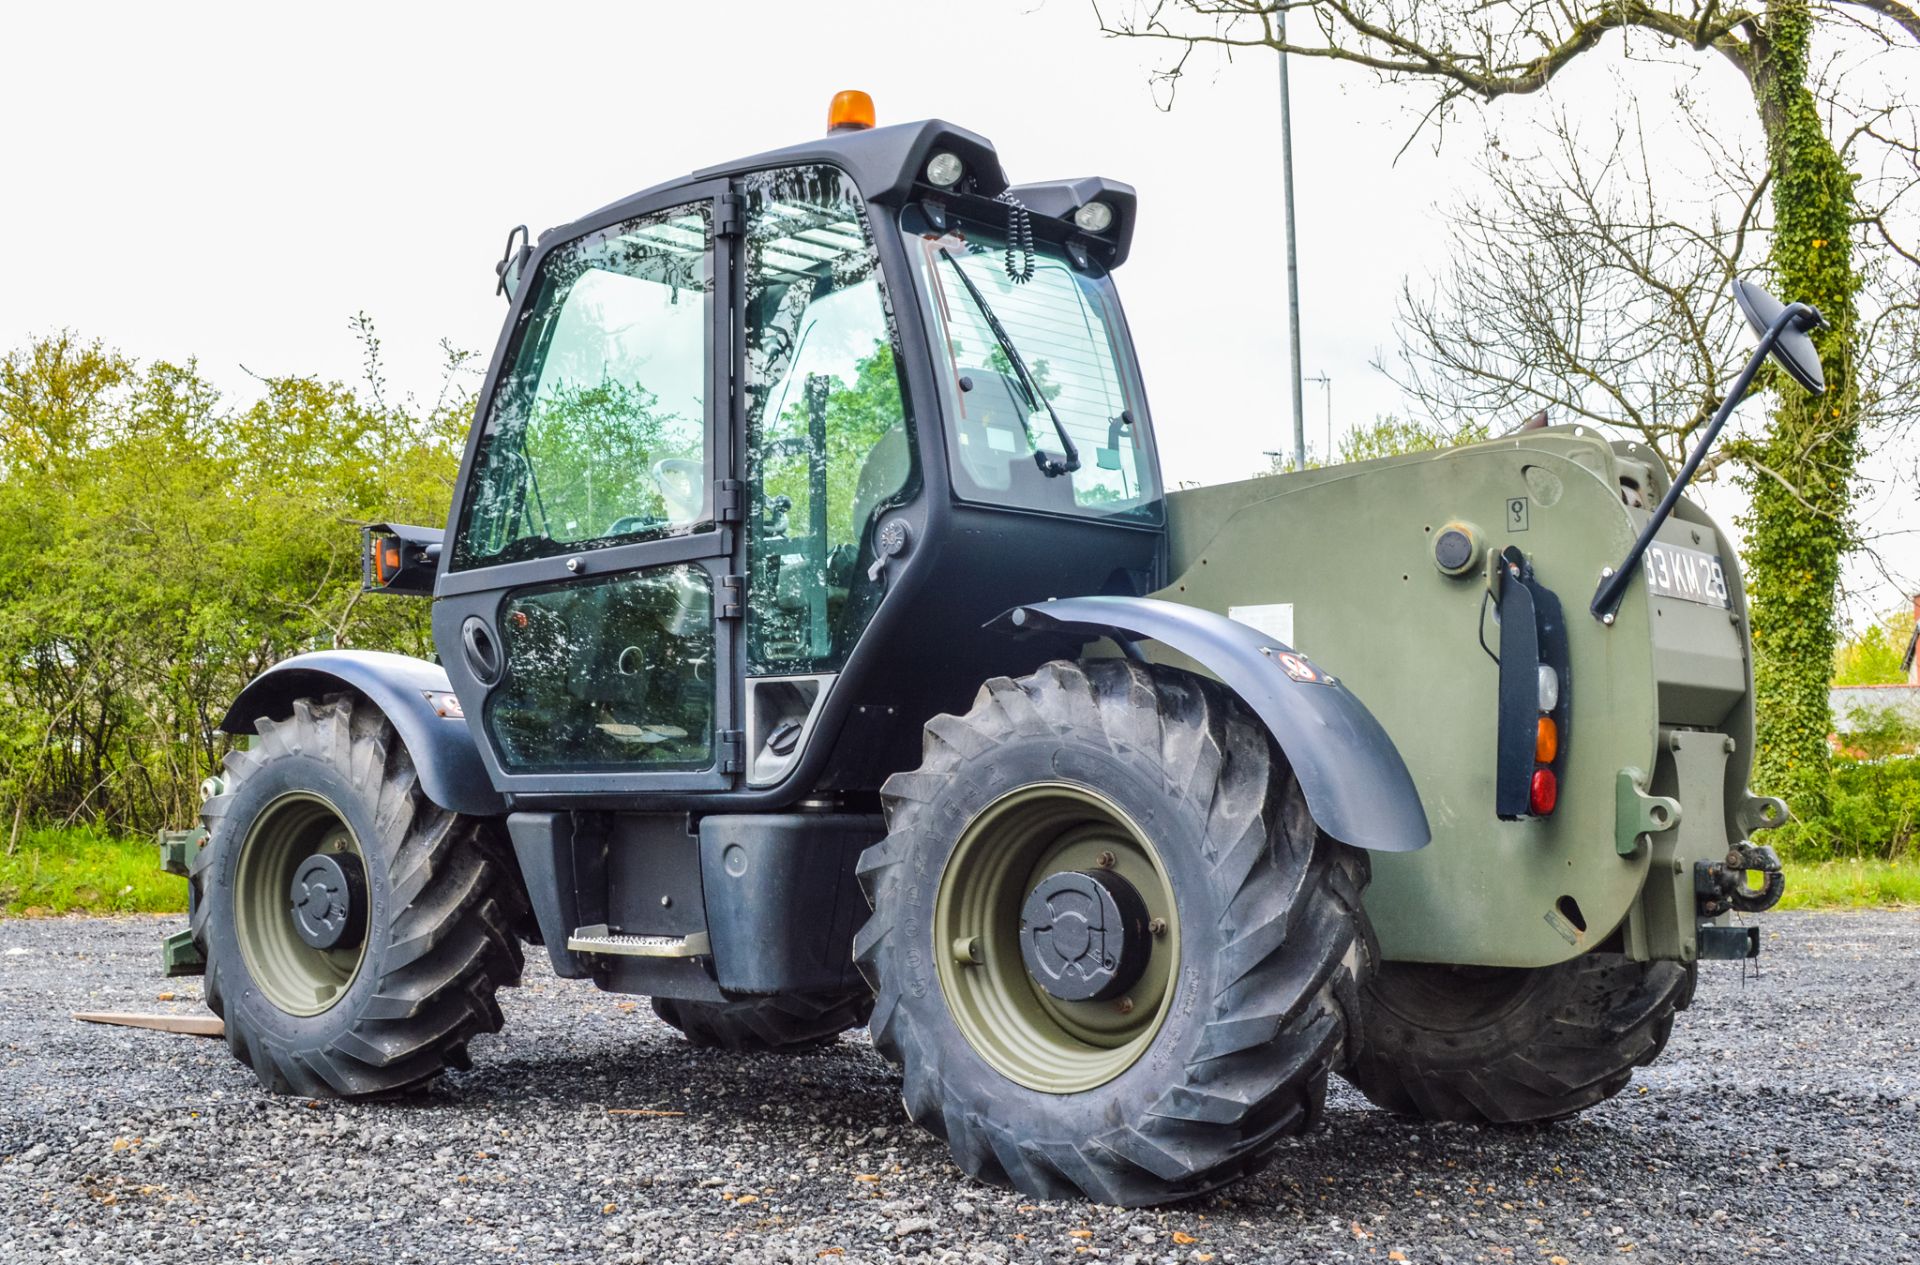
(1692, 575)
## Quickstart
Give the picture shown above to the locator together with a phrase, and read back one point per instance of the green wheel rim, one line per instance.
(296, 977)
(1025, 1033)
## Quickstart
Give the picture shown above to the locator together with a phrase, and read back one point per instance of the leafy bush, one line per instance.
(159, 547)
(1874, 813)
(1878, 732)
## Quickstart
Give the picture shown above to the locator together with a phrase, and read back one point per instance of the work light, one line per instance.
(1094, 217)
(945, 170)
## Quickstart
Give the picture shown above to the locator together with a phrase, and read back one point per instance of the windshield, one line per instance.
(1064, 325)
(1004, 447)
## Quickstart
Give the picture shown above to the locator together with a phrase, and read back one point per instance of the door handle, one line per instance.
(481, 649)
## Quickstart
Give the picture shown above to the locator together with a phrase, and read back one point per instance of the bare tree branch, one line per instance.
(1905, 18)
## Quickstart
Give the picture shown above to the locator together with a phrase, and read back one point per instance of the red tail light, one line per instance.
(1544, 792)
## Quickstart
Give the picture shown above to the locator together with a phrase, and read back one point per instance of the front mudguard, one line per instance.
(1355, 783)
(413, 694)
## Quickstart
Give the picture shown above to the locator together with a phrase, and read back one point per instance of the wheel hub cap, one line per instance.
(1083, 935)
(328, 900)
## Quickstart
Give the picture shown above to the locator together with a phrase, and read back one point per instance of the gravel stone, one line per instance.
(1783, 1123)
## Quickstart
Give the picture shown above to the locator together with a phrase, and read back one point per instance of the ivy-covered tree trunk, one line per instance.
(1799, 523)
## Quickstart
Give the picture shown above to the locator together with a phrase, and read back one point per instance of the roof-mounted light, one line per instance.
(944, 170)
(1094, 217)
(851, 111)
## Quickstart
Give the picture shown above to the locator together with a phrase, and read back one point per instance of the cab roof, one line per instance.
(888, 165)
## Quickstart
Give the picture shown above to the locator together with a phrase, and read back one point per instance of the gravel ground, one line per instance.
(589, 1131)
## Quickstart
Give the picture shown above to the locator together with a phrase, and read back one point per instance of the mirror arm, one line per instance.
(1613, 585)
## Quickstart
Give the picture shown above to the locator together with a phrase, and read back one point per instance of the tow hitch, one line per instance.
(1721, 887)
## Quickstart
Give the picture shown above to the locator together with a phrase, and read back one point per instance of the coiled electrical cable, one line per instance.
(1019, 238)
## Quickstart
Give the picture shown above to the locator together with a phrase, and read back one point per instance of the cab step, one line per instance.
(601, 938)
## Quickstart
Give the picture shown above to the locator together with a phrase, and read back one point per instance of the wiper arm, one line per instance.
(1035, 397)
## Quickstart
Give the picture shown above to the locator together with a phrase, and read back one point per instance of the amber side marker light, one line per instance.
(388, 560)
(851, 111)
(1546, 741)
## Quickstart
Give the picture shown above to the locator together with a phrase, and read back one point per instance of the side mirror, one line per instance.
(1783, 330)
(399, 558)
(1793, 348)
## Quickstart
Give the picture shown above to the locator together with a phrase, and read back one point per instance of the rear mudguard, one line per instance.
(1356, 785)
(415, 697)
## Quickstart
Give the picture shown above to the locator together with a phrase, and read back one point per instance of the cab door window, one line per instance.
(829, 439)
(596, 433)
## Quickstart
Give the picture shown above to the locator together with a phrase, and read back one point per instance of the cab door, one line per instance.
(584, 611)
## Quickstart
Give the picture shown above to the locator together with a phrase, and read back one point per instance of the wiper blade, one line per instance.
(1036, 398)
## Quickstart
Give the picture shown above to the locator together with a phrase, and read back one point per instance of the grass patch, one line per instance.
(1852, 884)
(79, 870)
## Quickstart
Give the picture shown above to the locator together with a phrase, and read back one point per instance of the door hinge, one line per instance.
(733, 751)
(732, 590)
(733, 216)
(727, 496)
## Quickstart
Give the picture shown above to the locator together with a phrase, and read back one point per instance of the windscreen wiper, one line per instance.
(1035, 397)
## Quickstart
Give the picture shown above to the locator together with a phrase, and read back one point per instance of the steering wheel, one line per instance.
(679, 479)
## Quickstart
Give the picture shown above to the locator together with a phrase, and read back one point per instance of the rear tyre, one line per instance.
(1111, 952)
(764, 1024)
(354, 933)
(1505, 1045)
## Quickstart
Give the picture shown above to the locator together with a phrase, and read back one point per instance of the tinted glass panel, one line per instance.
(1062, 321)
(608, 671)
(829, 442)
(596, 433)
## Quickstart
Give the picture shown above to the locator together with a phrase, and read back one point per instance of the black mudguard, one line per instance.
(407, 691)
(1355, 783)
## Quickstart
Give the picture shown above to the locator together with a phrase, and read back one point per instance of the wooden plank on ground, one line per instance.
(190, 1025)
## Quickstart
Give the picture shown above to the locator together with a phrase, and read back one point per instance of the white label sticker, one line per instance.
(1274, 619)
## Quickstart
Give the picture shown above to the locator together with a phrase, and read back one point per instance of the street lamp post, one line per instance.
(1293, 258)
(1322, 381)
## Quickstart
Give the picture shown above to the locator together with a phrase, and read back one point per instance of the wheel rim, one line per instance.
(1025, 1033)
(295, 976)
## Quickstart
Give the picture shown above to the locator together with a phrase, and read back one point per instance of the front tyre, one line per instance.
(354, 932)
(1512, 1045)
(1111, 952)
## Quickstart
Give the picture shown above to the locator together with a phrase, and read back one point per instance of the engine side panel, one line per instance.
(1343, 561)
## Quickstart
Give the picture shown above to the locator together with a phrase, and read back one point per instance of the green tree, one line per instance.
(1804, 466)
(1874, 655)
(158, 548)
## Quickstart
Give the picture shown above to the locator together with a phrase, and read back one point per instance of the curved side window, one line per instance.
(829, 437)
(596, 433)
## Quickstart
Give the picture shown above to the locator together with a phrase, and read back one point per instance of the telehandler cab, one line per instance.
(818, 646)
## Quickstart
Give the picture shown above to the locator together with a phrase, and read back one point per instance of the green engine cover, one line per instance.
(1342, 564)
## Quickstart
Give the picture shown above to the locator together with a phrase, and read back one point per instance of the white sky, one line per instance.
(234, 182)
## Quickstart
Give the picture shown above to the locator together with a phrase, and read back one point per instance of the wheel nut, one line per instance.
(1124, 1005)
(1106, 860)
(1157, 926)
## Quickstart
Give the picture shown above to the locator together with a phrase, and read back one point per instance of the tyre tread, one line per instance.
(1294, 934)
(453, 943)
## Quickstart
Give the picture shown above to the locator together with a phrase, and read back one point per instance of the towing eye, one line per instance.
(1722, 885)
